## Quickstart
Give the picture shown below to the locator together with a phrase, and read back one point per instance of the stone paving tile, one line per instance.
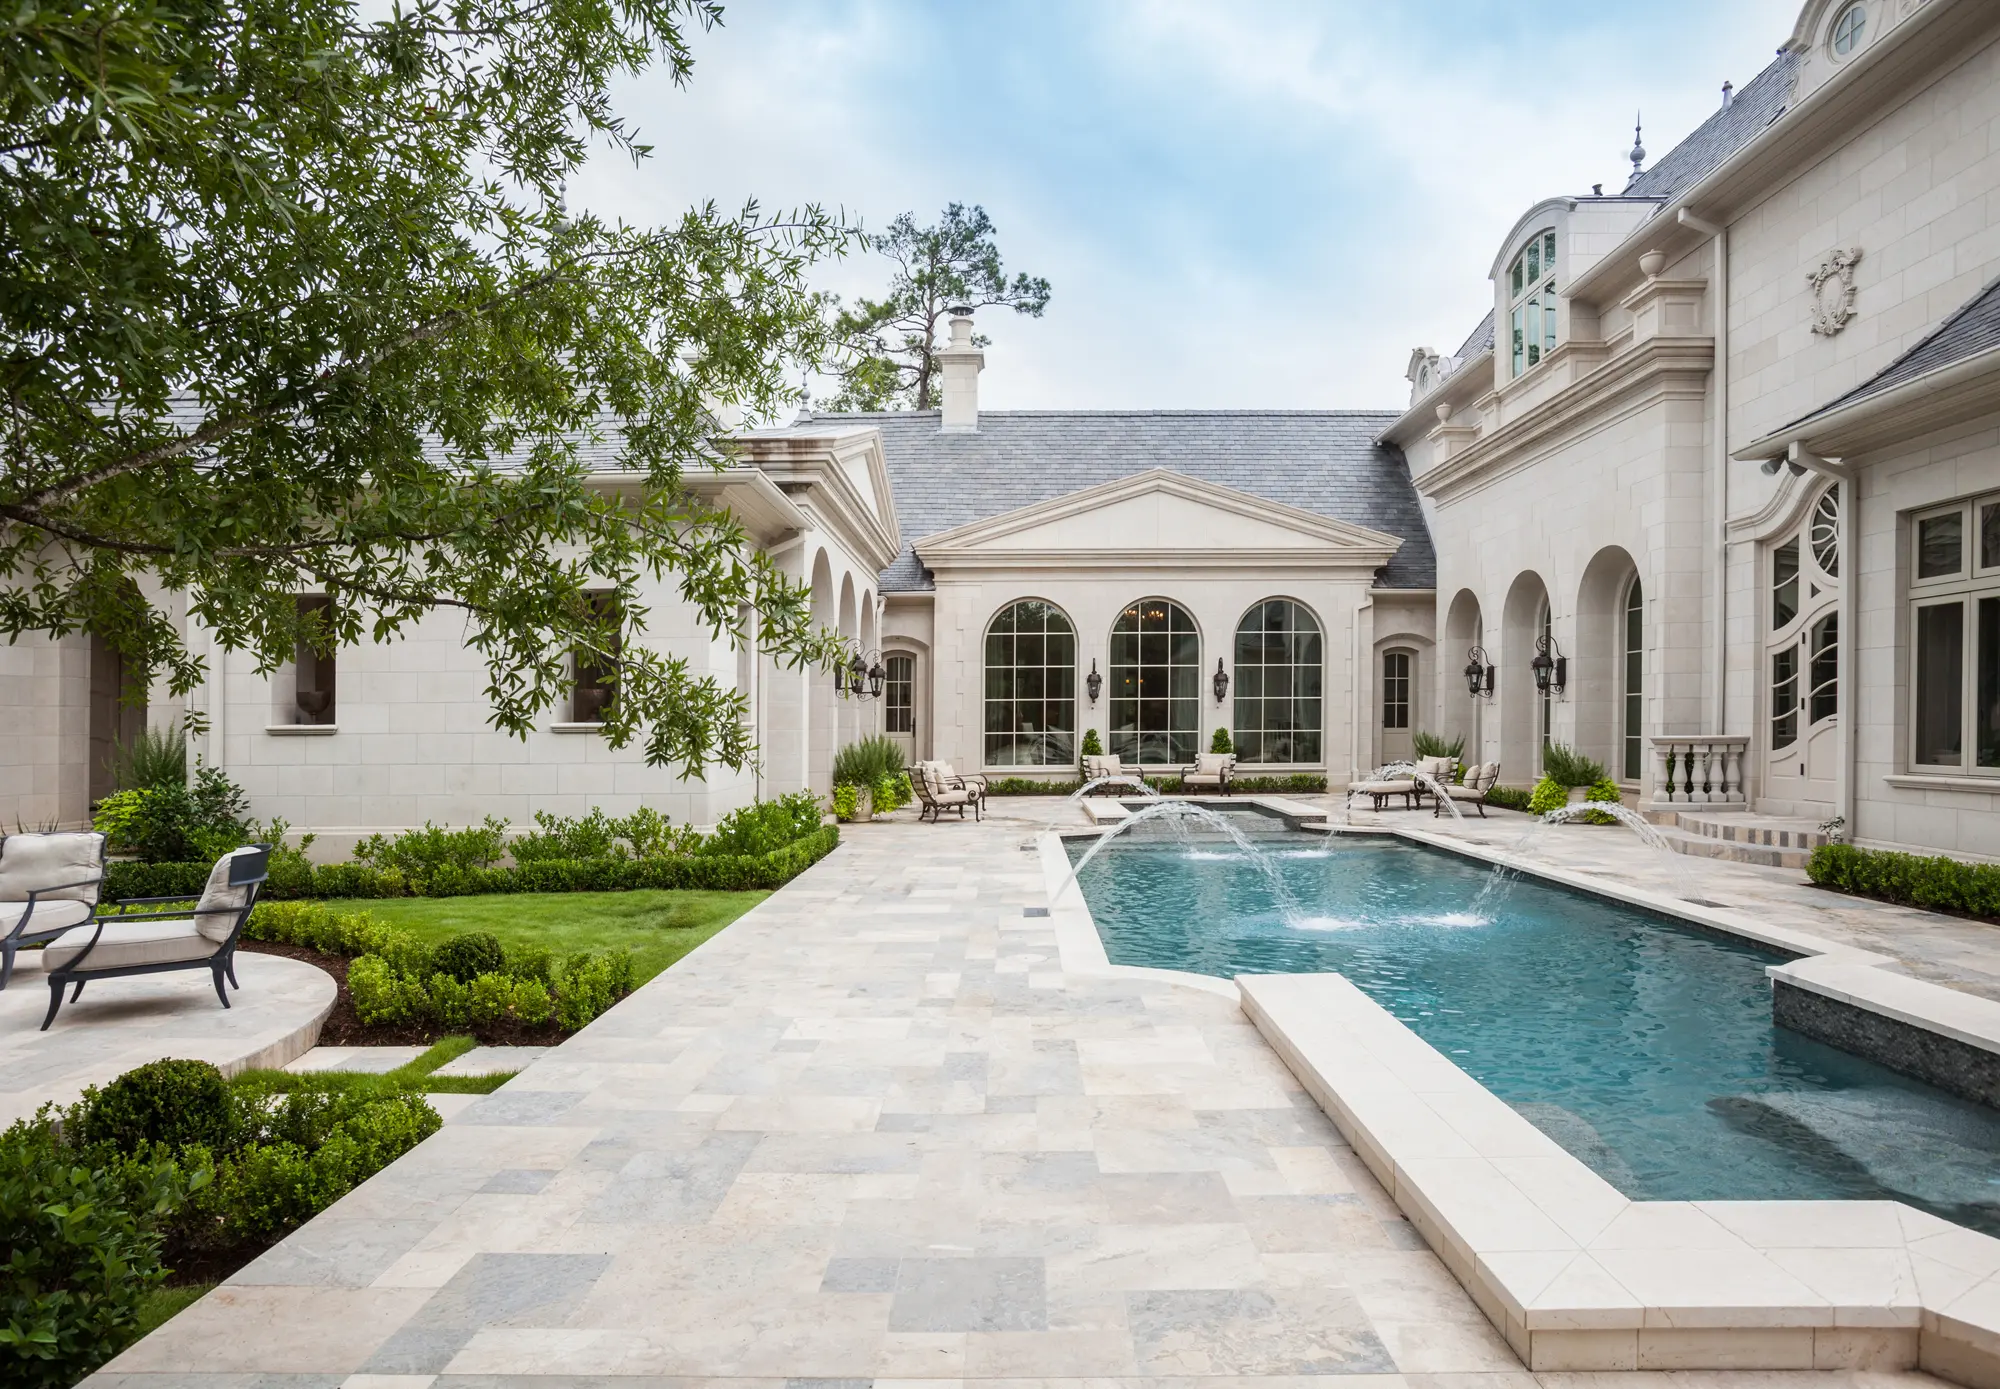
(488, 1061)
(869, 1137)
(368, 1060)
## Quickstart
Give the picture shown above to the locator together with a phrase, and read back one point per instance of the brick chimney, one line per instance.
(959, 365)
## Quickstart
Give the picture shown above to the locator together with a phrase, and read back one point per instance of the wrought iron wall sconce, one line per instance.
(1478, 674)
(1550, 666)
(1221, 681)
(1093, 683)
(860, 676)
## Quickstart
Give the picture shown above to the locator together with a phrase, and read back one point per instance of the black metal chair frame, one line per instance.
(20, 935)
(244, 871)
(929, 783)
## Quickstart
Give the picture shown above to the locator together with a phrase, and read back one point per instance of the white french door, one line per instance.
(1802, 662)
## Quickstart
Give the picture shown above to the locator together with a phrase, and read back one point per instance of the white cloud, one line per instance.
(1251, 205)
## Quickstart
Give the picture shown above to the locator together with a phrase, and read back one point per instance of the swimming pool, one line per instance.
(1643, 1047)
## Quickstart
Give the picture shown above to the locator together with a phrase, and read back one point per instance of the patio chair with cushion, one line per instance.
(940, 789)
(1212, 771)
(49, 883)
(1097, 767)
(156, 942)
(1480, 778)
(1379, 789)
(1438, 769)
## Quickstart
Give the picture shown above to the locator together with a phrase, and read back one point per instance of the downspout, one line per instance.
(1849, 711)
(1719, 478)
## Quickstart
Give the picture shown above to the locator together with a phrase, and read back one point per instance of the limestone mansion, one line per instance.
(1726, 450)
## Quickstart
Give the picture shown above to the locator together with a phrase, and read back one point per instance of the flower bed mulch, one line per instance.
(343, 1028)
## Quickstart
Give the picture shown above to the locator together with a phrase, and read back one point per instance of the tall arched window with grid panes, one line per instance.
(1531, 299)
(1030, 687)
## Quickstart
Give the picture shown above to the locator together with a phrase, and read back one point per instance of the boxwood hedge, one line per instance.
(1937, 884)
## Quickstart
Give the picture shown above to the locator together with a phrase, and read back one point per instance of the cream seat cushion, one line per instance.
(32, 862)
(133, 943)
(1212, 763)
(50, 915)
(215, 914)
(1384, 788)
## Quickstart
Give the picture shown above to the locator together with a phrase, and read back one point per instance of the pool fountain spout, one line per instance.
(1178, 814)
(1648, 833)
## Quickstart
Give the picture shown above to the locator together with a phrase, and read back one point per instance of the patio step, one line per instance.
(1740, 837)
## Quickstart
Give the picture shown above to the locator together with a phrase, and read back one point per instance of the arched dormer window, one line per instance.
(1531, 291)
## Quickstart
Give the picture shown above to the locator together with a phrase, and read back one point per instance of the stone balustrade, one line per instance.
(1689, 770)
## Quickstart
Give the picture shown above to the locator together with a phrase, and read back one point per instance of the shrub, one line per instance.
(171, 1102)
(417, 854)
(651, 836)
(1092, 746)
(558, 836)
(1934, 883)
(1030, 786)
(117, 819)
(1508, 797)
(1295, 782)
(80, 1249)
(867, 761)
(492, 996)
(1220, 741)
(1549, 794)
(1433, 745)
(765, 826)
(1567, 767)
(172, 822)
(154, 757)
(531, 1002)
(846, 802)
(536, 962)
(468, 955)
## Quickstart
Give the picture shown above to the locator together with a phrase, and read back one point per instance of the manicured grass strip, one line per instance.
(659, 927)
(411, 1075)
(161, 1304)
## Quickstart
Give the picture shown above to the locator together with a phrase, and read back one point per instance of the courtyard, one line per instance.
(876, 1130)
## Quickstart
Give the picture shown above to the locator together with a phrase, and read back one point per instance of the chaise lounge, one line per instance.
(157, 942)
(1480, 778)
(49, 884)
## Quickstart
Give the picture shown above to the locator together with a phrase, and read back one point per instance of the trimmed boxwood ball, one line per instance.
(465, 957)
(173, 1102)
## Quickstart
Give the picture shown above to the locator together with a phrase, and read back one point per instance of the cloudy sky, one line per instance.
(1238, 203)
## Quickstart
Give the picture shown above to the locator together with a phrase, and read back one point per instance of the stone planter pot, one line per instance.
(1578, 794)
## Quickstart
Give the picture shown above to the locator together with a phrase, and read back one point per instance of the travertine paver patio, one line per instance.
(872, 1131)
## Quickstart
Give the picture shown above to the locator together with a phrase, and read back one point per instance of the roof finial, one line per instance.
(1638, 155)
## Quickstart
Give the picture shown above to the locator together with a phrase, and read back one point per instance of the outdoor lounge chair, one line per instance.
(1211, 771)
(1480, 778)
(1438, 769)
(1098, 766)
(1380, 789)
(941, 789)
(49, 883)
(156, 942)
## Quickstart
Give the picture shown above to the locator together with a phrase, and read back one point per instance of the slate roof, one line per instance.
(1320, 461)
(1722, 134)
(1973, 329)
(1481, 339)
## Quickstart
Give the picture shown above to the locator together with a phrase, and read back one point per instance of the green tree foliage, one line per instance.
(292, 300)
(892, 342)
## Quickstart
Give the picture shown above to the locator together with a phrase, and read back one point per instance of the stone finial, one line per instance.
(1638, 155)
(1651, 264)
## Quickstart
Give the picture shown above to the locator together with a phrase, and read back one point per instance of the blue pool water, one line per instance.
(1643, 1047)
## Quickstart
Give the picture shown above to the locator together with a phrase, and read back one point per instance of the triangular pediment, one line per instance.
(1159, 513)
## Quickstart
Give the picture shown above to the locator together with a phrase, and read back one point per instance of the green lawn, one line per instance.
(659, 927)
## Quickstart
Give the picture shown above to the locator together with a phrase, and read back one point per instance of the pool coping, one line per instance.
(1575, 1275)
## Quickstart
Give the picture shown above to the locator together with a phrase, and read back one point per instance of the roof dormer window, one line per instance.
(1847, 30)
(1531, 290)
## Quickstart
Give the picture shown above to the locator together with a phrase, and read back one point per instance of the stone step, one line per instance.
(1695, 845)
(1741, 828)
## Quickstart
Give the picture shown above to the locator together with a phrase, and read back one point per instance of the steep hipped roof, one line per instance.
(1320, 461)
(1722, 134)
(1481, 339)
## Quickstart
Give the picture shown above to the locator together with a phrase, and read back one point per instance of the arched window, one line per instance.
(1155, 715)
(1030, 687)
(1279, 675)
(1635, 680)
(1531, 290)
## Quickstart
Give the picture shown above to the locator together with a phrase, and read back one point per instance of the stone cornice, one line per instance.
(1657, 368)
(1332, 564)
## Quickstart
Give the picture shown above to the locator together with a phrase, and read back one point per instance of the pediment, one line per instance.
(1159, 513)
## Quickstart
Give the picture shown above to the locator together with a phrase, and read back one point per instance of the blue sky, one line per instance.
(1238, 203)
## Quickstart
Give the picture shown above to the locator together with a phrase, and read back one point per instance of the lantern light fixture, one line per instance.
(1478, 674)
(860, 676)
(1221, 681)
(1550, 666)
(1093, 683)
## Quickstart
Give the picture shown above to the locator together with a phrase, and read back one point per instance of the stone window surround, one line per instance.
(1971, 583)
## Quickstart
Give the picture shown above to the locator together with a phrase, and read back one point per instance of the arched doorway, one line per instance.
(1802, 658)
(1155, 707)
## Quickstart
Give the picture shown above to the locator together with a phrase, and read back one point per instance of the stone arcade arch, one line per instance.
(1599, 681)
(1459, 711)
(1523, 710)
